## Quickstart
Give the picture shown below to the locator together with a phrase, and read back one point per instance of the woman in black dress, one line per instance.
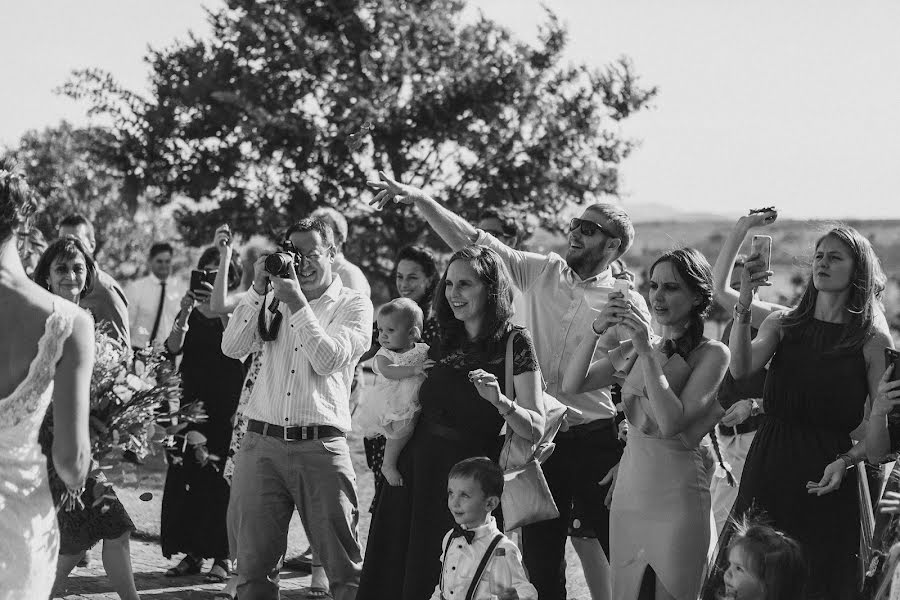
(825, 358)
(463, 410)
(416, 277)
(67, 269)
(195, 498)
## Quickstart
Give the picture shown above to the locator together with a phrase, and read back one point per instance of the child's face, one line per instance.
(394, 333)
(742, 583)
(467, 502)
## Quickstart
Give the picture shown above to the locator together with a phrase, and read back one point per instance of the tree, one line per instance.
(79, 170)
(292, 104)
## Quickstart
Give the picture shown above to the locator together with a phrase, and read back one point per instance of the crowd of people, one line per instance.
(686, 467)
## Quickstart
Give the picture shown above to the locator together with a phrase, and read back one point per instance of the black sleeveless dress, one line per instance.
(813, 398)
(402, 559)
(195, 498)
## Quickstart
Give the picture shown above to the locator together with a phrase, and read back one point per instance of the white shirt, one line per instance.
(305, 373)
(503, 570)
(143, 302)
(559, 308)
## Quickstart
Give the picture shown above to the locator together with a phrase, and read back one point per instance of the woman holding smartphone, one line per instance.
(659, 519)
(196, 494)
(825, 358)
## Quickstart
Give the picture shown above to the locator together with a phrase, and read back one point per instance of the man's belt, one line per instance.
(294, 433)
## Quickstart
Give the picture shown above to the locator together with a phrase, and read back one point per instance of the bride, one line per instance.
(46, 342)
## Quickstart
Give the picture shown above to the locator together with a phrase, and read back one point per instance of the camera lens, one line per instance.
(278, 264)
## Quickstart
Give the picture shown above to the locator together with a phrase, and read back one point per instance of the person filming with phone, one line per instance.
(825, 356)
(195, 498)
(295, 452)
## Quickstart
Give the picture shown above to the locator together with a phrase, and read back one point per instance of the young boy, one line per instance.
(478, 561)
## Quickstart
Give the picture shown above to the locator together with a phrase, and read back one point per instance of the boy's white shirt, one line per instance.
(505, 568)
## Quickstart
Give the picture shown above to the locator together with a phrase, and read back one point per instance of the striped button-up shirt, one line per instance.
(559, 309)
(305, 373)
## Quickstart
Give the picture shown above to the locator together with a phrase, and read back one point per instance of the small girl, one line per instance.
(763, 564)
(392, 403)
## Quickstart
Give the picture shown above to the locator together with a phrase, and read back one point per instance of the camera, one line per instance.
(278, 263)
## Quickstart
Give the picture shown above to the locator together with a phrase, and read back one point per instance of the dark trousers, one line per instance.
(583, 456)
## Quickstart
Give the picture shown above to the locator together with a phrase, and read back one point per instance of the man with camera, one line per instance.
(295, 452)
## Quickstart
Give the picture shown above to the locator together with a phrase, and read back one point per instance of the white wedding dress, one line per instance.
(29, 537)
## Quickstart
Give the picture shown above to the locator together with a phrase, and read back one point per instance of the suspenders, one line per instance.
(479, 572)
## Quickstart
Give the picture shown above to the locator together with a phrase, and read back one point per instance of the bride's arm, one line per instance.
(71, 405)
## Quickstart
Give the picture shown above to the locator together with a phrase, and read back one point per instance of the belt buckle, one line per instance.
(284, 434)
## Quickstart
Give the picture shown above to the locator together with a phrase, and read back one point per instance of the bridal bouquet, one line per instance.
(135, 401)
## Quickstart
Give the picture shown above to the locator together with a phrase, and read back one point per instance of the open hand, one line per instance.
(392, 190)
(831, 479)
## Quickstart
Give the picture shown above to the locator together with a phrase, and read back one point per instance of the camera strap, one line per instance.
(268, 333)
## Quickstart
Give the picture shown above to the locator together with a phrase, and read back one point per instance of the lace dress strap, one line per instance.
(57, 329)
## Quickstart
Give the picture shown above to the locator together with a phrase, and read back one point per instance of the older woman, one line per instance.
(464, 406)
(825, 358)
(67, 270)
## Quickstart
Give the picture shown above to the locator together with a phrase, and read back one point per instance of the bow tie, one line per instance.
(460, 532)
(679, 346)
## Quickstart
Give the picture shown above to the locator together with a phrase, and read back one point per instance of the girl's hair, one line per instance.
(867, 284)
(694, 269)
(774, 558)
(65, 249)
(16, 201)
(213, 255)
(489, 268)
(423, 257)
(407, 309)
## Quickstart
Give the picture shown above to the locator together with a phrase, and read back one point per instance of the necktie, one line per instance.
(159, 310)
(460, 532)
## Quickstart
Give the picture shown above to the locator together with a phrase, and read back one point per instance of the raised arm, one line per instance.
(71, 404)
(725, 296)
(747, 357)
(220, 301)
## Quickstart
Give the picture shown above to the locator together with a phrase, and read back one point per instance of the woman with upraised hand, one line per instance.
(825, 358)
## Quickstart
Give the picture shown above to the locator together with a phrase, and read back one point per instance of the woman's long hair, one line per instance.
(491, 270)
(423, 257)
(694, 269)
(866, 287)
(65, 248)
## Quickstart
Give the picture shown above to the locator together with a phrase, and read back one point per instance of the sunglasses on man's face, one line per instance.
(588, 228)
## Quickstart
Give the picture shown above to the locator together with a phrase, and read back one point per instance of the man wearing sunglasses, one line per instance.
(561, 297)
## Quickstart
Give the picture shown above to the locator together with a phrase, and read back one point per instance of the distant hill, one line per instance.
(664, 213)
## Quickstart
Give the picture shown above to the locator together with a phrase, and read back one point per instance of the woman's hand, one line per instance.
(754, 275)
(831, 478)
(424, 367)
(392, 190)
(640, 329)
(737, 413)
(890, 503)
(887, 398)
(486, 385)
(222, 237)
(758, 219)
(610, 479)
(187, 302)
(612, 314)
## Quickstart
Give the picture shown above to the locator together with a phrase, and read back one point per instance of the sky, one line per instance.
(792, 104)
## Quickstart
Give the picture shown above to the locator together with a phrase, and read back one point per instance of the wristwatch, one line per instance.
(755, 408)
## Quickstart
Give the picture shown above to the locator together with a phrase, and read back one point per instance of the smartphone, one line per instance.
(622, 286)
(762, 245)
(892, 357)
(198, 277)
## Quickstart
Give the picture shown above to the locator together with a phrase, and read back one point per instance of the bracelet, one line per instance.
(595, 331)
(848, 460)
(742, 314)
(512, 408)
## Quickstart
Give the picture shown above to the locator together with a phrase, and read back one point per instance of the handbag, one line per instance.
(526, 497)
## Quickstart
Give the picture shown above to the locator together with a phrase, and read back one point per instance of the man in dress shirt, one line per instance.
(295, 452)
(155, 300)
(561, 297)
(107, 302)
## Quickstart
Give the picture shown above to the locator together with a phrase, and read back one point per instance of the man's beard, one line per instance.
(584, 262)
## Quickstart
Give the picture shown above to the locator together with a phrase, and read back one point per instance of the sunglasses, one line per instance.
(588, 228)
